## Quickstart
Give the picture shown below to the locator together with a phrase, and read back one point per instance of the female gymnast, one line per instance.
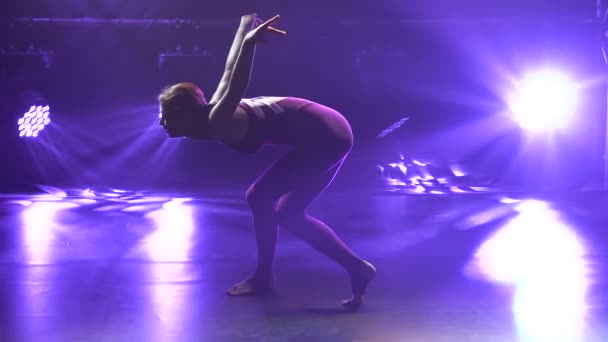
(320, 139)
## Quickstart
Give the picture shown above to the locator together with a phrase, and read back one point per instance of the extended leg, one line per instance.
(291, 214)
(262, 196)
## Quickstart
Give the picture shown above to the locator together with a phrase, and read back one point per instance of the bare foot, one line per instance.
(250, 287)
(360, 279)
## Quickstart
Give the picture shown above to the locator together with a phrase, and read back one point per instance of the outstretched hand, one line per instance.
(259, 33)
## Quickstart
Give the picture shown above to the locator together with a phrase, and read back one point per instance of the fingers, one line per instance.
(261, 27)
(267, 26)
(271, 20)
(272, 29)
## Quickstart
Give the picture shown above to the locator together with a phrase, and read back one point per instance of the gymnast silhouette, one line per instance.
(320, 139)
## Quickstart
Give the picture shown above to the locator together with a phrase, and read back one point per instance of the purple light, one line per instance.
(543, 260)
(172, 240)
(39, 226)
(544, 100)
(34, 121)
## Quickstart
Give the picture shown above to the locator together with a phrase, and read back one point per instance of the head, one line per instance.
(184, 111)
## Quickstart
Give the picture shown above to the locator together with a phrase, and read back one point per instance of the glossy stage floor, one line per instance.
(116, 265)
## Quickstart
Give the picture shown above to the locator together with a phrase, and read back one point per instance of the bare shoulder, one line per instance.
(231, 130)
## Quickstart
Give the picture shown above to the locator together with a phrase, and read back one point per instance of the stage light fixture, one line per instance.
(544, 100)
(34, 121)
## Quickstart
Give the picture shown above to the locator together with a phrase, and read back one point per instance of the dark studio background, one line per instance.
(445, 64)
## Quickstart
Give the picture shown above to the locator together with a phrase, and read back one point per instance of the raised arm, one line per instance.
(222, 114)
(246, 23)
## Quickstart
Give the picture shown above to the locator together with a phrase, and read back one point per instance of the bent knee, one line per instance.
(287, 213)
(258, 199)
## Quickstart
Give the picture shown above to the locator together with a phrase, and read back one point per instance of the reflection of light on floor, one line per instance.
(172, 239)
(38, 227)
(171, 295)
(456, 189)
(23, 203)
(457, 171)
(544, 260)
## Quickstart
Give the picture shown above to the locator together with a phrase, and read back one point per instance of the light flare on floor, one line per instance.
(543, 259)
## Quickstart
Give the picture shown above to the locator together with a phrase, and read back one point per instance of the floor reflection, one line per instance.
(171, 241)
(114, 265)
(170, 245)
(40, 228)
(543, 259)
